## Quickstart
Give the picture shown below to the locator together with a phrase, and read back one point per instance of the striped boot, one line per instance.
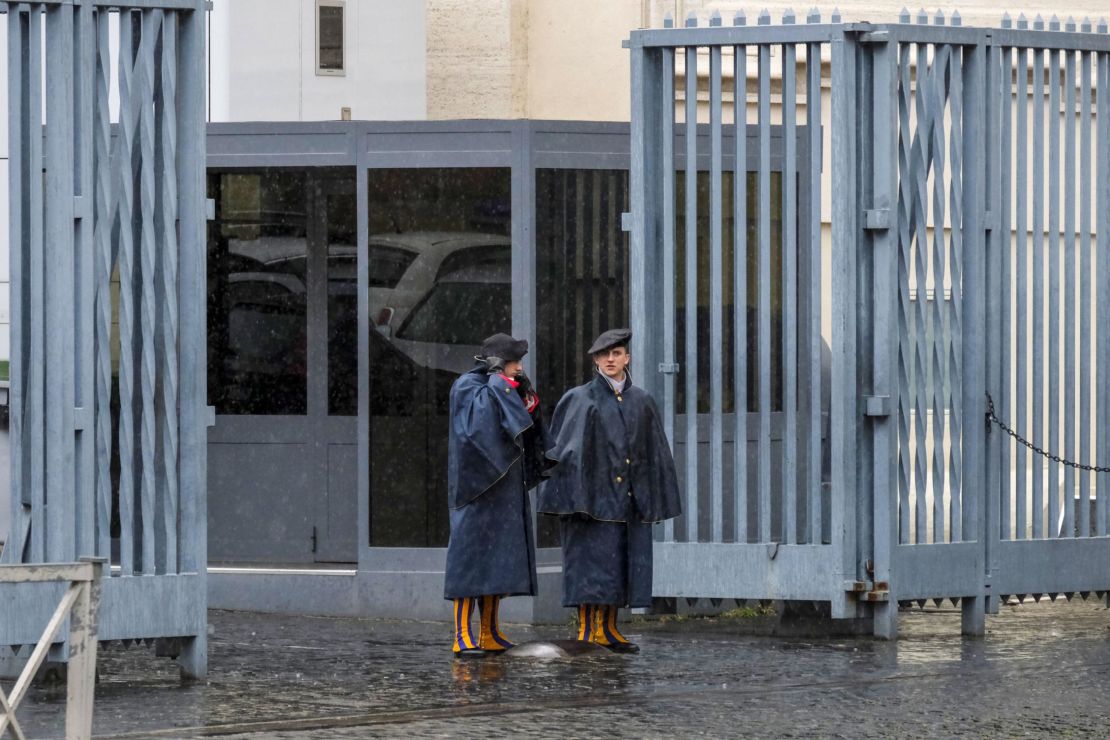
(465, 645)
(490, 638)
(586, 614)
(605, 631)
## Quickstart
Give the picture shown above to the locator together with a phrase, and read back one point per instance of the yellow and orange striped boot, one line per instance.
(605, 631)
(586, 614)
(490, 638)
(465, 645)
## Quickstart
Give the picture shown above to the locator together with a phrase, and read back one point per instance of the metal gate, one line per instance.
(924, 269)
(107, 219)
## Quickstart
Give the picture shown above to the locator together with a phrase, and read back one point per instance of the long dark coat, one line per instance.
(494, 456)
(614, 476)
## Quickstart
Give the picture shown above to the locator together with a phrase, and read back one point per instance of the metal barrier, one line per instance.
(95, 194)
(81, 604)
(924, 269)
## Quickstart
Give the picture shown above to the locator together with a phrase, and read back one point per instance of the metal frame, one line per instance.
(136, 201)
(81, 604)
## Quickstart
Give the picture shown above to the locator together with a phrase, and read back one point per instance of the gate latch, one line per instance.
(876, 219)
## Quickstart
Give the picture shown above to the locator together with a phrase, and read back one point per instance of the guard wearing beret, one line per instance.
(495, 455)
(614, 477)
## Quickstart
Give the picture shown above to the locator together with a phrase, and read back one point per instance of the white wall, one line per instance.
(263, 62)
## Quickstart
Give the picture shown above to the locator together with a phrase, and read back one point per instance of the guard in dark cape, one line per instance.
(614, 477)
(495, 454)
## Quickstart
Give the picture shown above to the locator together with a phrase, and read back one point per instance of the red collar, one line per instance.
(512, 383)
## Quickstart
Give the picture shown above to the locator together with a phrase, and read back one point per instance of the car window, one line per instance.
(460, 313)
(388, 264)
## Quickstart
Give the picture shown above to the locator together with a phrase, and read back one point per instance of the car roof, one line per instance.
(439, 243)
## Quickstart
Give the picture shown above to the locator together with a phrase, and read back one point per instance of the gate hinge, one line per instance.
(876, 406)
(876, 219)
(868, 591)
(626, 221)
(210, 209)
(668, 368)
(210, 412)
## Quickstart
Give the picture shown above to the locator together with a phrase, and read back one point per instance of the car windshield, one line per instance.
(388, 264)
(470, 300)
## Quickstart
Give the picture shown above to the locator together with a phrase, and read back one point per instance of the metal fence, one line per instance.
(924, 270)
(95, 195)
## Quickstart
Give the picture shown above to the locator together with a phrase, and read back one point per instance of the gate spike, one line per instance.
(836, 17)
(691, 600)
(814, 16)
(1006, 21)
(692, 19)
(1084, 595)
(715, 601)
(1005, 599)
(1070, 24)
(1038, 23)
(955, 601)
(922, 602)
(668, 20)
(1037, 598)
(715, 18)
(764, 17)
(904, 16)
(957, 19)
(740, 18)
(938, 19)
(1102, 26)
(1086, 25)
(788, 17)
(1054, 23)
(1021, 598)
(1022, 23)
(1069, 596)
(1052, 597)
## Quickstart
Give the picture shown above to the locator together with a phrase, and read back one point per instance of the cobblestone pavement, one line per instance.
(1042, 671)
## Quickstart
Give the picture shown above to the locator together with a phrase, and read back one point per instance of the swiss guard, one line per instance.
(615, 477)
(495, 455)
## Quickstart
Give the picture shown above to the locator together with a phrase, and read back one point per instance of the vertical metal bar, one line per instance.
(17, 265)
(58, 291)
(844, 427)
(1004, 63)
(884, 351)
(1037, 436)
(994, 304)
(1021, 289)
(1102, 289)
(973, 436)
(939, 328)
(1086, 339)
(789, 372)
(191, 282)
(1069, 417)
(36, 369)
(1053, 377)
(740, 293)
(813, 122)
(764, 284)
(125, 201)
(666, 152)
(690, 370)
(953, 331)
(926, 105)
(167, 288)
(147, 297)
(716, 306)
(104, 264)
(84, 72)
(907, 330)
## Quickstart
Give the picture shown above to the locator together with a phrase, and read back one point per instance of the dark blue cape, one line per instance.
(494, 456)
(607, 451)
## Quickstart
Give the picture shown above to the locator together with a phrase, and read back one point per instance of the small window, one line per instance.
(329, 37)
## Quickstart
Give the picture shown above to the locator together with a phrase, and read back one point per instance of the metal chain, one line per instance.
(992, 418)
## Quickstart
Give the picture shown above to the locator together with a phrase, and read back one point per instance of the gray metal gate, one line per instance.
(887, 484)
(104, 206)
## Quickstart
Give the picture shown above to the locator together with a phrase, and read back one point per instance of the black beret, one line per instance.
(505, 347)
(610, 339)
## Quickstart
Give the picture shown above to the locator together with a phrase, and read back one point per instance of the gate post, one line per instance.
(882, 250)
(976, 503)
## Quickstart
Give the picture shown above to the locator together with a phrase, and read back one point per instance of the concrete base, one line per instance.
(382, 594)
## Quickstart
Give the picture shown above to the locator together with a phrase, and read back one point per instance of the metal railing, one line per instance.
(81, 604)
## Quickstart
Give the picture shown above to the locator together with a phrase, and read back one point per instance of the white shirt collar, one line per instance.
(616, 385)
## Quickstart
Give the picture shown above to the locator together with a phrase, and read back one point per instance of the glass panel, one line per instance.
(339, 207)
(331, 37)
(581, 280)
(257, 254)
(440, 270)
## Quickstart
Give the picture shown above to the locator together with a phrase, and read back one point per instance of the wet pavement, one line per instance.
(1042, 671)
